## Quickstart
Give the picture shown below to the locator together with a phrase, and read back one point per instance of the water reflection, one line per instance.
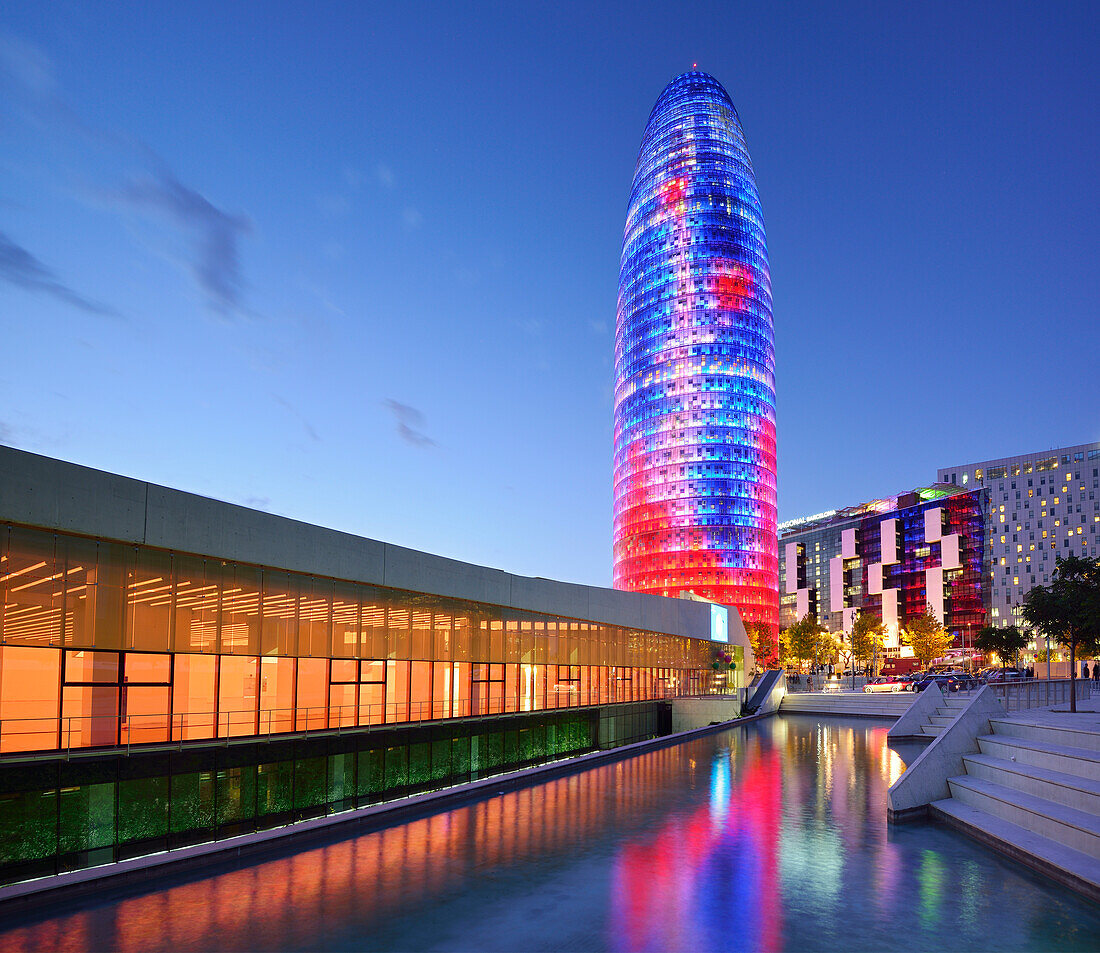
(771, 837)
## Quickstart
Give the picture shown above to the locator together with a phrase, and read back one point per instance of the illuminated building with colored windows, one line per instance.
(1041, 505)
(177, 671)
(694, 454)
(893, 558)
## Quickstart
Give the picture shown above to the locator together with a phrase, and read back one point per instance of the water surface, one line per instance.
(772, 836)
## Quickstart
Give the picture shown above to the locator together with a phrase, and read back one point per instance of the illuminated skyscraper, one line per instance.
(694, 467)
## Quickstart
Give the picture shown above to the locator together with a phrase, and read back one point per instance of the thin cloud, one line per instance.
(306, 425)
(27, 74)
(214, 235)
(22, 269)
(410, 422)
(411, 218)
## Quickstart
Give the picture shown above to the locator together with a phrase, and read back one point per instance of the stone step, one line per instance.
(942, 720)
(1076, 761)
(1067, 866)
(1066, 825)
(1069, 789)
(931, 729)
(1052, 734)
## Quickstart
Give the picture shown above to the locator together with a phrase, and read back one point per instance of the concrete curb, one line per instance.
(19, 897)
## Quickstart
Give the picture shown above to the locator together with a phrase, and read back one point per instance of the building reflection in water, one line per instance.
(785, 811)
(769, 837)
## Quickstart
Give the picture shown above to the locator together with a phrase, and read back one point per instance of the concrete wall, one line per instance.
(41, 491)
(698, 712)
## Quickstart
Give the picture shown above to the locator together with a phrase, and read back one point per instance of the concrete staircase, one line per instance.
(1033, 792)
(853, 704)
(945, 713)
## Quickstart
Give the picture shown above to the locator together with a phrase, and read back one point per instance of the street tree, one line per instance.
(764, 644)
(1006, 642)
(803, 638)
(1068, 610)
(926, 635)
(866, 637)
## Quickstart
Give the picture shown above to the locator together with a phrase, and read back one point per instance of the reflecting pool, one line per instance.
(772, 836)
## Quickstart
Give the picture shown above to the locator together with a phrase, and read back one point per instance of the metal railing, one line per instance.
(1022, 694)
(37, 735)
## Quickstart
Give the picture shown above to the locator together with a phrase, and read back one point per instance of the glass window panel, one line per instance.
(89, 715)
(112, 568)
(345, 620)
(193, 696)
(280, 614)
(372, 671)
(441, 640)
(30, 686)
(149, 601)
(511, 687)
(315, 616)
(441, 690)
(145, 714)
(238, 698)
(397, 627)
(276, 694)
(345, 670)
(31, 590)
(195, 613)
(460, 689)
(146, 668)
(421, 691)
(343, 701)
(84, 666)
(313, 687)
(372, 696)
(397, 691)
(373, 626)
(420, 641)
(240, 610)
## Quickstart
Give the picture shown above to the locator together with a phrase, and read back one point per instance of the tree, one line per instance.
(764, 644)
(1068, 610)
(866, 637)
(927, 636)
(1006, 642)
(803, 638)
(825, 647)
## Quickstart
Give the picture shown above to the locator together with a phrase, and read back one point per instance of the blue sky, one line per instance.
(356, 264)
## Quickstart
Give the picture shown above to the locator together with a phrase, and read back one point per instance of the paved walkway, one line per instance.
(1087, 717)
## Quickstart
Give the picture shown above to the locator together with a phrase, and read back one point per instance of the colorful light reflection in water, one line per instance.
(769, 837)
(688, 883)
(694, 467)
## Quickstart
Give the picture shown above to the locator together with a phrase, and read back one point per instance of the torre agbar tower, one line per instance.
(694, 465)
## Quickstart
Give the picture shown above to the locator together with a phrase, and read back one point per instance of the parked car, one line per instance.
(947, 683)
(1009, 674)
(886, 683)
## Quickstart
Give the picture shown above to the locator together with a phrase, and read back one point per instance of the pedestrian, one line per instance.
(810, 682)
(1086, 676)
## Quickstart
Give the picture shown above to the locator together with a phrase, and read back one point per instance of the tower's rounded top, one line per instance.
(695, 84)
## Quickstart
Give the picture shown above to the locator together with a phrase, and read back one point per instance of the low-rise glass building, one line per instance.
(175, 669)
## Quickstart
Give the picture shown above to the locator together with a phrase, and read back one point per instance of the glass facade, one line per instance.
(105, 643)
(694, 463)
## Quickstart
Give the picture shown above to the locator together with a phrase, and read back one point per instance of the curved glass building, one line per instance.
(694, 466)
